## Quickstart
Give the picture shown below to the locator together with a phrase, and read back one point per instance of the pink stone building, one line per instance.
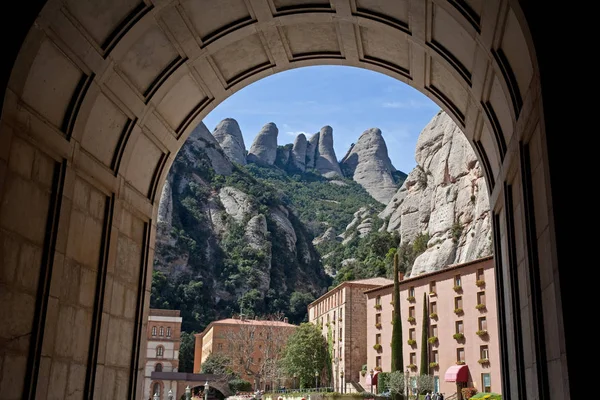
(342, 315)
(461, 299)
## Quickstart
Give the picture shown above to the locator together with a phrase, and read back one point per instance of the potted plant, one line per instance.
(458, 311)
(412, 366)
(457, 288)
(480, 283)
(411, 319)
(432, 294)
(483, 361)
(433, 339)
(363, 372)
(377, 306)
(480, 306)
(410, 298)
(481, 332)
(378, 325)
(458, 336)
(411, 342)
(377, 346)
(468, 392)
(433, 365)
(460, 362)
(433, 315)
(377, 369)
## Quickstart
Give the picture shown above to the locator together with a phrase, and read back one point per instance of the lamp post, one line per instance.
(406, 374)
(188, 393)
(206, 388)
(295, 380)
(170, 394)
(342, 380)
(316, 377)
(371, 374)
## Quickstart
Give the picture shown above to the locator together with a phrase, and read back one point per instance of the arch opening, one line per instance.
(102, 97)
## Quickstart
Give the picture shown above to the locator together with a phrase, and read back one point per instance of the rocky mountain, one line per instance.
(367, 162)
(230, 138)
(444, 199)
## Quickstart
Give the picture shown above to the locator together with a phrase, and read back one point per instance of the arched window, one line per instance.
(158, 367)
(168, 331)
(160, 351)
(154, 331)
(162, 331)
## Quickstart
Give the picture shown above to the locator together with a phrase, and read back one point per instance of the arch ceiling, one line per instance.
(104, 93)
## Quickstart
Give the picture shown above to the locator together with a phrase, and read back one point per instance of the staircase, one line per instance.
(354, 387)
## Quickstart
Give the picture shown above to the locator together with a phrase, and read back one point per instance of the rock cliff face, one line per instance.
(264, 147)
(325, 160)
(445, 197)
(230, 138)
(368, 163)
(299, 152)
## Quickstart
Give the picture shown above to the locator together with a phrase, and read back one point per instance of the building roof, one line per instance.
(245, 321)
(429, 274)
(373, 282)
(164, 313)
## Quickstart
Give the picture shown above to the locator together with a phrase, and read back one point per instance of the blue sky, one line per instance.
(348, 99)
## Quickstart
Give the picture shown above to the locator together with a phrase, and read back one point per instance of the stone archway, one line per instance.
(103, 94)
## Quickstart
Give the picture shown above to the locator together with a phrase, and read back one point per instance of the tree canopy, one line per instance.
(306, 353)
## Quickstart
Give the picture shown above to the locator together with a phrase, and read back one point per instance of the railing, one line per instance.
(302, 390)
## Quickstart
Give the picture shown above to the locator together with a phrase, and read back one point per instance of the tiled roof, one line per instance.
(248, 322)
(375, 282)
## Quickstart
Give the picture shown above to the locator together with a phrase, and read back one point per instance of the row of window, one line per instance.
(433, 329)
(457, 283)
(458, 305)
(161, 331)
(484, 356)
(329, 303)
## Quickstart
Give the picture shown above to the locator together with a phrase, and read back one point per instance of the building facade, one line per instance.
(342, 315)
(462, 341)
(162, 352)
(252, 345)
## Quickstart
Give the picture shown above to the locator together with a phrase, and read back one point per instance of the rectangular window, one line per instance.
(435, 357)
(486, 383)
(340, 337)
(434, 330)
(432, 287)
(161, 331)
(413, 358)
(433, 307)
(480, 297)
(153, 331)
(482, 324)
(378, 338)
(459, 327)
(457, 281)
(411, 312)
(460, 354)
(333, 315)
(480, 274)
(334, 354)
(412, 334)
(458, 302)
(411, 291)
(484, 352)
(378, 361)
(378, 300)
(378, 318)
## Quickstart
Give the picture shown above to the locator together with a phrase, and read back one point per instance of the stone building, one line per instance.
(343, 312)
(461, 299)
(251, 344)
(163, 334)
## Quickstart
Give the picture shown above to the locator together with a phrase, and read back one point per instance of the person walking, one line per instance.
(428, 396)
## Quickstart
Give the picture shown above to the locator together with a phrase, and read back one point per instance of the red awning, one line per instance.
(457, 373)
(374, 378)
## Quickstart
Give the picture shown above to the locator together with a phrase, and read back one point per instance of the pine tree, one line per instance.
(397, 361)
(424, 343)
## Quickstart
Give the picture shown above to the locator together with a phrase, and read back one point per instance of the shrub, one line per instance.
(412, 366)
(432, 339)
(468, 392)
(433, 315)
(378, 325)
(480, 306)
(411, 342)
(240, 385)
(458, 310)
(482, 332)
(458, 336)
(410, 298)
(433, 365)
(480, 283)
(377, 306)
(377, 346)
(483, 361)
(457, 288)
(411, 319)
